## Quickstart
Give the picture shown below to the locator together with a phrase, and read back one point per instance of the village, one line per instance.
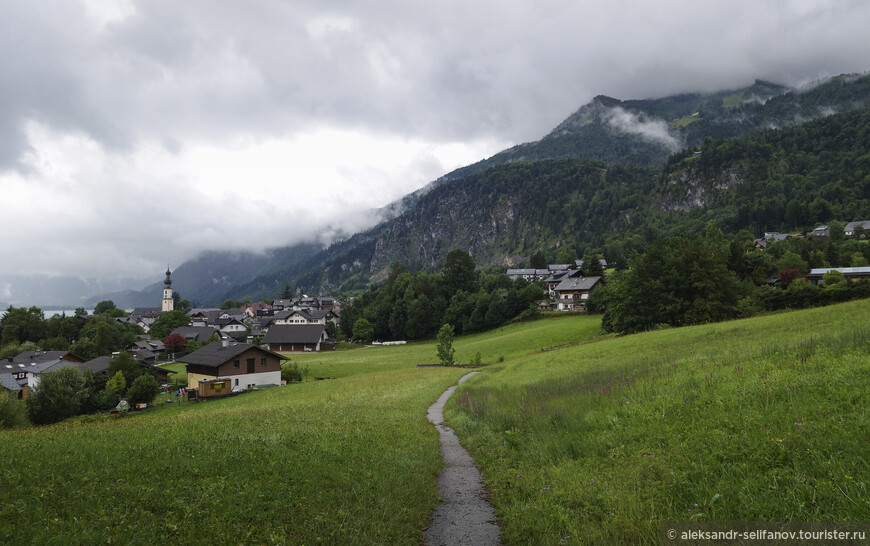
(228, 359)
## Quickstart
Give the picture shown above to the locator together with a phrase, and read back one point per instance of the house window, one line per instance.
(236, 364)
(263, 362)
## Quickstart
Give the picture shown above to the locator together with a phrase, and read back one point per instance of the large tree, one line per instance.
(168, 321)
(677, 281)
(458, 273)
(20, 324)
(59, 394)
(363, 330)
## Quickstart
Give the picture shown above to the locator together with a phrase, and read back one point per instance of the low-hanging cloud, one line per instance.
(652, 130)
(139, 132)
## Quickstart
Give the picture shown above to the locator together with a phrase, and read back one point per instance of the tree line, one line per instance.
(690, 279)
(416, 305)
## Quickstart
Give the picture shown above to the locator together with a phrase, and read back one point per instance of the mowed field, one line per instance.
(580, 438)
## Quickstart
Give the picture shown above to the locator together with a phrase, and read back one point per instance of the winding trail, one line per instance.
(463, 516)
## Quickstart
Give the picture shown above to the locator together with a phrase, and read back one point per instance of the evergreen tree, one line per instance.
(458, 273)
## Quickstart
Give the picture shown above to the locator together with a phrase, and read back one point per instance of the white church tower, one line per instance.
(168, 302)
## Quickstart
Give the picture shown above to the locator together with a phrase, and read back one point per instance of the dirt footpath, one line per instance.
(464, 516)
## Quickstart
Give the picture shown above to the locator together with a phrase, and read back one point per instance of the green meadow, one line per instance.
(580, 437)
(351, 460)
(753, 420)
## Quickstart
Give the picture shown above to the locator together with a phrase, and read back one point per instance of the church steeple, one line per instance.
(168, 301)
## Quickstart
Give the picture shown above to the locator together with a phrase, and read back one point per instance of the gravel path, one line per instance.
(464, 516)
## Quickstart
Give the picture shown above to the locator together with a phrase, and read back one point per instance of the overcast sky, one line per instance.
(137, 133)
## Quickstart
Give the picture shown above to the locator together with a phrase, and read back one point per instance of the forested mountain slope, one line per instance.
(773, 180)
(526, 199)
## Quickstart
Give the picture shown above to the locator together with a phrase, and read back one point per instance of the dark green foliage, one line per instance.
(143, 390)
(677, 281)
(166, 322)
(127, 365)
(789, 179)
(102, 336)
(415, 306)
(592, 265)
(60, 394)
(20, 324)
(538, 260)
(292, 373)
(104, 400)
(458, 273)
(13, 413)
(228, 305)
(104, 306)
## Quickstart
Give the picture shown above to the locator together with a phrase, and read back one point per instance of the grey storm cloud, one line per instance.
(106, 103)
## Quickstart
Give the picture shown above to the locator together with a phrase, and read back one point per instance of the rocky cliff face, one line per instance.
(689, 188)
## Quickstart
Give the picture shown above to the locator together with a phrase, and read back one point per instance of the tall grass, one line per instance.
(753, 420)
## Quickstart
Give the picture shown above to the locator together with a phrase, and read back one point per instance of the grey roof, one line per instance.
(148, 345)
(7, 366)
(215, 354)
(852, 225)
(602, 261)
(38, 357)
(521, 271)
(52, 366)
(101, 364)
(199, 334)
(283, 303)
(295, 333)
(97, 365)
(226, 321)
(146, 312)
(562, 275)
(558, 267)
(201, 310)
(9, 383)
(577, 283)
(316, 314)
(844, 270)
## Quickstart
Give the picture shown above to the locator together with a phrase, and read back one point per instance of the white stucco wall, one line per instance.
(249, 379)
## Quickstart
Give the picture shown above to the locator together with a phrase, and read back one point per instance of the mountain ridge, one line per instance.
(633, 138)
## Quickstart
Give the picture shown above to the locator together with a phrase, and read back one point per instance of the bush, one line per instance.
(12, 412)
(143, 390)
(105, 399)
(58, 395)
(292, 373)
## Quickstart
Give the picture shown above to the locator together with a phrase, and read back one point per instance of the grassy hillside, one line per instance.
(753, 420)
(348, 461)
(597, 439)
